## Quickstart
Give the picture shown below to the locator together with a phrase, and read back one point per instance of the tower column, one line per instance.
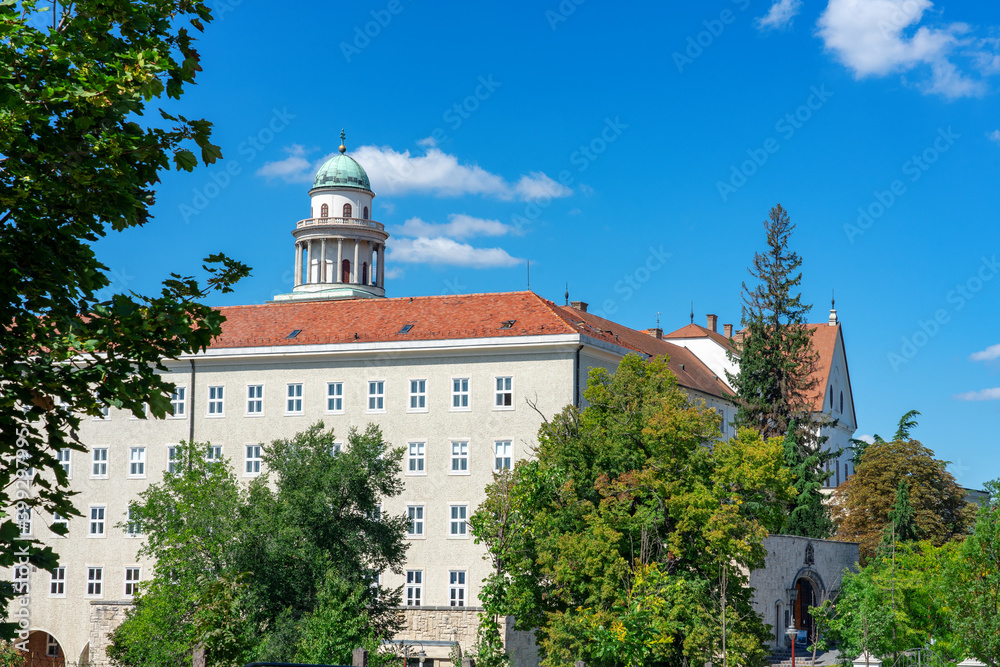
(338, 270)
(356, 270)
(298, 264)
(381, 266)
(322, 261)
(309, 261)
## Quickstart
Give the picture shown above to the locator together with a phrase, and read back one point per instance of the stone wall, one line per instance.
(104, 618)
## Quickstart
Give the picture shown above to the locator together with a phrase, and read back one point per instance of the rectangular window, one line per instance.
(293, 404)
(57, 582)
(415, 458)
(457, 526)
(105, 412)
(133, 527)
(252, 461)
(255, 399)
(418, 395)
(64, 459)
(59, 519)
(334, 396)
(459, 457)
(336, 448)
(460, 393)
(376, 396)
(216, 401)
(100, 462)
(504, 392)
(51, 647)
(501, 455)
(414, 587)
(415, 515)
(456, 588)
(131, 581)
(137, 462)
(95, 581)
(178, 401)
(172, 462)
(96, 521)
(213, 454)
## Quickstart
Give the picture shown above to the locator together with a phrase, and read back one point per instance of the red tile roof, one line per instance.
(697, 331)
(441, 318)
(824, 341)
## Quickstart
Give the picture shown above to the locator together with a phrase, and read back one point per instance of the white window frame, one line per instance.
(252, 459)
(415, 518)
(65, 457)
(460, 393)
(337, 397)
(416, 457)
(255, 399)
(376, 397)
(458, 451)
(414, 588)
(105, 414)
(458, 521)
(95, 581)
(133, 582)
(58, 518)
(172, 458)
(137, 462)
(216, 407)
(99, 463)
(97, 521)
(457, 585)
(213, 453)
(57, 580)
(51, 646)
(133, 526)
(504, 456)
(178, 402)
(417, 401)
(503, 385)
(293, 398)
(336, 448)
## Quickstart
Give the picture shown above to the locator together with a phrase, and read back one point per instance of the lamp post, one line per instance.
(421, 654)
(792, 630)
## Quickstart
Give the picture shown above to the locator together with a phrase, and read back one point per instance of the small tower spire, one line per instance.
(567, 294)
(833, 309)
(692, 312)
(343, 136)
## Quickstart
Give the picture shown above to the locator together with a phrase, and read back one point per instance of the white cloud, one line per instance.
(394, 272)
(880, 37)
(435, 173)
(981, 395)
(990, 353)
(459, 226)
(994, 136)
(867, 438)
(780, 15)
(447, 252)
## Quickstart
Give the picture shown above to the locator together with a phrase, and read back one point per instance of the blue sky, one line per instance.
(590, 138)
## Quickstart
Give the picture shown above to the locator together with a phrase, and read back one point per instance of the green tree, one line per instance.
(266, 571)
(862, 506)
(79, 158)
(775, 385)
(974, 584)
(625, 541)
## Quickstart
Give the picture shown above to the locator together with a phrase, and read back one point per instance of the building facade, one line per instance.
(461, 383)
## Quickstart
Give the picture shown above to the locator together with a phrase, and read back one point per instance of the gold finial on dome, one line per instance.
(343, 136)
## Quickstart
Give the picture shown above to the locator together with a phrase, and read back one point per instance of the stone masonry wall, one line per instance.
(104, 618)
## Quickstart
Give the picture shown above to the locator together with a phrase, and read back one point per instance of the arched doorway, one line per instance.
(44, 650)
(806, 598)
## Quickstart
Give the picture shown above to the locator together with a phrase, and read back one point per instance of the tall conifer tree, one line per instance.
(775, 387)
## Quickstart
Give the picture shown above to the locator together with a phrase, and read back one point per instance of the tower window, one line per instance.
(365, 214)
(324, 211)
(347, 210)
(363, 278)
(841, 401)
(345, 271)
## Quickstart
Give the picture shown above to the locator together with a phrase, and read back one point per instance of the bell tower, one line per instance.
(339, 249)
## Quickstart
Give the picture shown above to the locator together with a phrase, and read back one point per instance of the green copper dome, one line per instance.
(341, 171)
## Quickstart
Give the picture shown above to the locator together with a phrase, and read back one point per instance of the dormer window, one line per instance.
(347, 210)
(841, 401)
(324, 211)
(365, 214)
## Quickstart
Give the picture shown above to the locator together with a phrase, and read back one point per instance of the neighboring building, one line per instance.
(462, 383)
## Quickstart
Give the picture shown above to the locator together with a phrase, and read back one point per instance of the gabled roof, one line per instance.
(824, 340)
(697, 331)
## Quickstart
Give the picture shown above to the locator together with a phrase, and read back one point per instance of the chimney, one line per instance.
(656, 333)
(728, 329)
(713, 322)
(579, 305)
